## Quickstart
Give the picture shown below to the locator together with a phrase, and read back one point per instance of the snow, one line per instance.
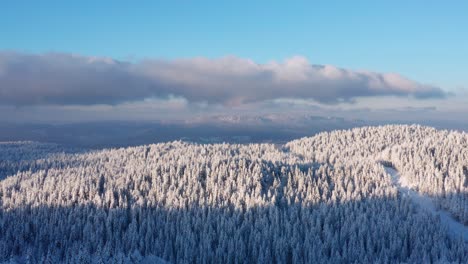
(455, 228)
(323, 199)
(153, 259)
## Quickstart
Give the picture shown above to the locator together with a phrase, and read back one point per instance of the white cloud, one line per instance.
(65, 79)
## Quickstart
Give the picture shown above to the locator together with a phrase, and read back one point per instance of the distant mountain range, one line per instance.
(259, 128)
(272, 119)
(208, 129)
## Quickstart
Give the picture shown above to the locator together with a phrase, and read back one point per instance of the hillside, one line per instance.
(322, 199)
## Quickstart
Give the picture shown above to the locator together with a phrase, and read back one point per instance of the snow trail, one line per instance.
(455, 228)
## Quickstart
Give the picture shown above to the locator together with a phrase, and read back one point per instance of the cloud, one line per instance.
(67, 79)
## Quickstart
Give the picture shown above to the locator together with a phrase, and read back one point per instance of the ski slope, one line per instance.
(455, 228)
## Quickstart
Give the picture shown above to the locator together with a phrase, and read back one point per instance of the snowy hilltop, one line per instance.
(344, 196)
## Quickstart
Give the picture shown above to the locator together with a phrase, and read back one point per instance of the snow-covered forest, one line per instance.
(322, 199)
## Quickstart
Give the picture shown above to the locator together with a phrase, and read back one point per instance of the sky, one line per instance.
(84, 60)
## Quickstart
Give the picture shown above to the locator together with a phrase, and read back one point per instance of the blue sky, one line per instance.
(425, 41)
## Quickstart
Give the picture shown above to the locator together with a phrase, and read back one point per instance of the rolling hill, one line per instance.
(329, 198)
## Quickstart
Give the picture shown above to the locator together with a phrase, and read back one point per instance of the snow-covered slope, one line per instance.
(324, 199)
(426, 204)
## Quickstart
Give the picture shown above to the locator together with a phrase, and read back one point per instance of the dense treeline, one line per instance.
(434, 162)
(325, 199)
(25, 155)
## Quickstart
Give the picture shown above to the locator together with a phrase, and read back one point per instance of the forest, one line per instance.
(321, 199)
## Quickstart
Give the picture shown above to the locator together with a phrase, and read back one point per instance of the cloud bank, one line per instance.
(67, 79)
